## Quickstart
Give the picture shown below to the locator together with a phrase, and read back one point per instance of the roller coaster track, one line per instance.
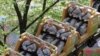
(82, 45)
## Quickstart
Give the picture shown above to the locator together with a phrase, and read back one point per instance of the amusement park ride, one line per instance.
(79, 28)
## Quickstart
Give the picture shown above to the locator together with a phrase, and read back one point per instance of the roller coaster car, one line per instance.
(34, 40)
(92, 24)
(69, 43)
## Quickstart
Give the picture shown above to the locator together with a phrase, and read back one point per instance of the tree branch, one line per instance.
(44, 5)
(1, 43)
(12, 30)
(26, 13)
(17, 11)
(43, 8)
(42, 14)
(1, 27)
(19, 17)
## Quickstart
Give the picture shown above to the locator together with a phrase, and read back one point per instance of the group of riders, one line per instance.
(77, 17)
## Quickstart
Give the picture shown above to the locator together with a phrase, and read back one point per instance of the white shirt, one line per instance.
(63, 34)
(85, 16)
(43, 52)
(77, 24)
(51, 29)
(83, 29)
(72, 22)
(75, 12)
(60, 46)
(32, 47)
(25, 44)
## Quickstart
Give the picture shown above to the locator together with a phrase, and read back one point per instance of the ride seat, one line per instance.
(35, 40)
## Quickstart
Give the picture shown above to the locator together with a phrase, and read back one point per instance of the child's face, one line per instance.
(50, 21)
(84, 10)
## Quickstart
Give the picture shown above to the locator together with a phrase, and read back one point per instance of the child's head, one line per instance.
(85, 9)
(50, 21)
(72, 4)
